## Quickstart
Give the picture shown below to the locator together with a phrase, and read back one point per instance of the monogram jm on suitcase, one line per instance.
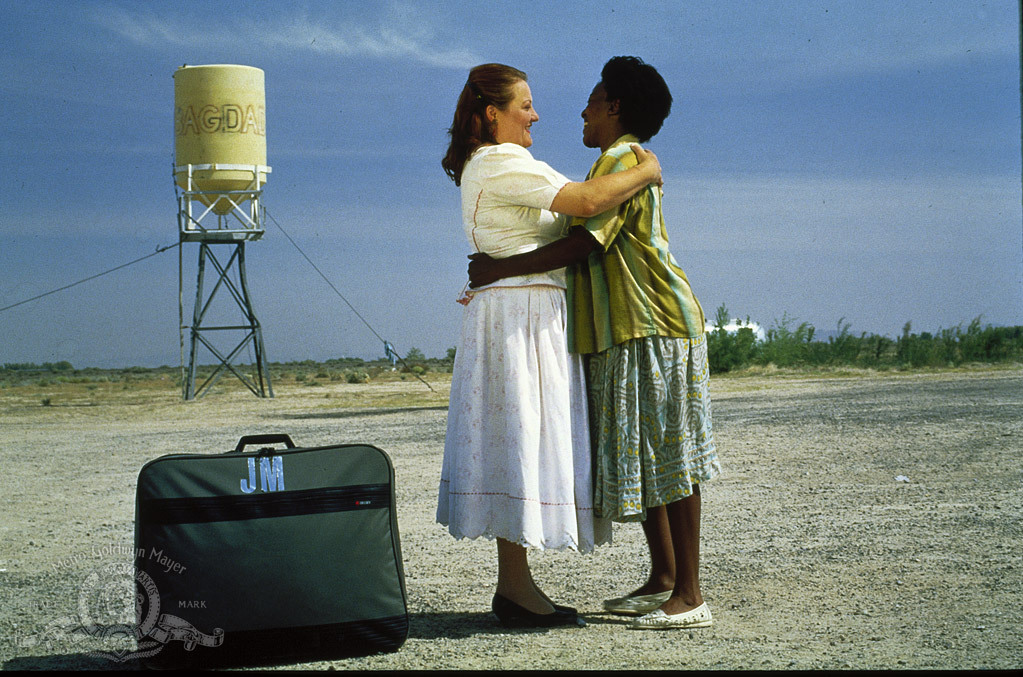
(268, 556)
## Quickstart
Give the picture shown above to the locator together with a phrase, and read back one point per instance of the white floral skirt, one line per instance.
(517, 462)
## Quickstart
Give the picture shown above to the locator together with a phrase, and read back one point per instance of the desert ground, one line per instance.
(862, 521)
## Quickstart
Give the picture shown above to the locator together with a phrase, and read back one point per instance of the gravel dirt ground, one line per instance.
(869, 521)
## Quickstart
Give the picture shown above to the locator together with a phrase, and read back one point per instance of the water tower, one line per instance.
(219, 171)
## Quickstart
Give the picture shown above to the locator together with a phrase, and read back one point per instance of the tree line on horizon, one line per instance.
(789, 345)
(786, 344)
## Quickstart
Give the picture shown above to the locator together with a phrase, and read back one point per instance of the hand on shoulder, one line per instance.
(648, 162)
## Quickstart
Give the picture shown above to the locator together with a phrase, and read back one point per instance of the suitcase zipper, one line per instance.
(264, 505)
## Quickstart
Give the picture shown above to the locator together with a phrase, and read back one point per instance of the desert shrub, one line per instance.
(729, 351)
(357, 377)
(785, 346)
(918, 350)
(989, 344)
(877, 351)
(954, 346)
(844, 348)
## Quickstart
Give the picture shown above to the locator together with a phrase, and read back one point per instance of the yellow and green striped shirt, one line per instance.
(633, 288)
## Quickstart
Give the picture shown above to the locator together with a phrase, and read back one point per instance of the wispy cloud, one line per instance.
(147, 29)
(400, 41)
(403, 33)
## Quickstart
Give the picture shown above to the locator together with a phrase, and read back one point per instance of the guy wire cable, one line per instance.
(159, 250)
(331, 284)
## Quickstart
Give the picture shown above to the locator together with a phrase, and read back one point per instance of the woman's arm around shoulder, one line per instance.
(601, 193)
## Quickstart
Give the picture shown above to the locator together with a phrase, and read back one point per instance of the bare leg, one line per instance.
(684, 522)
(662, 555)
(515, 581)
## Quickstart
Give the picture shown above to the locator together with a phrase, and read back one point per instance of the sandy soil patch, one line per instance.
(864, 522)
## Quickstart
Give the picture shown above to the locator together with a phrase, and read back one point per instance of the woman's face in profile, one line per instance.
(514, 122)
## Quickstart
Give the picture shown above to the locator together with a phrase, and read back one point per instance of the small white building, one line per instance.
(735, 324)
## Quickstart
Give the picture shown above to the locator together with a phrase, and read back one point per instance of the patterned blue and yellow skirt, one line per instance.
(650, 424)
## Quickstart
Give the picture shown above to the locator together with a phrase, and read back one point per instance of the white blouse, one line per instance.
(506, 199)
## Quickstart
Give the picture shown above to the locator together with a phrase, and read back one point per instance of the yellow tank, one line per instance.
(220, 119)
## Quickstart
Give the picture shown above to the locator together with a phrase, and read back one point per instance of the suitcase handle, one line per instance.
(268, 438)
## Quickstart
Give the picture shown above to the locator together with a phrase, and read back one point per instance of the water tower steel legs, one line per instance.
(260, 384)
(228, 218)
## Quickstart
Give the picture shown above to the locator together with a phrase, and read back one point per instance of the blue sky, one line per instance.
(823, 160)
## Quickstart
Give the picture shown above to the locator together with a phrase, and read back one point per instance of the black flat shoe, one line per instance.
(512, 615)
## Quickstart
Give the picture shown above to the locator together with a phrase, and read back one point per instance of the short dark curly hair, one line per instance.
(643, 96)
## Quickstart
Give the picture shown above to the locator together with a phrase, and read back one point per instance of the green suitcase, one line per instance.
(267, 557)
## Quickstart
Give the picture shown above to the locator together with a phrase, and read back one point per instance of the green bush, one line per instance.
(728, 352)
(921, 350)
(357, 377)
(788, 344)
(787, 347)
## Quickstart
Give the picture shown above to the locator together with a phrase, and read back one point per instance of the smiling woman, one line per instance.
(489, 85)
(511, 124)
